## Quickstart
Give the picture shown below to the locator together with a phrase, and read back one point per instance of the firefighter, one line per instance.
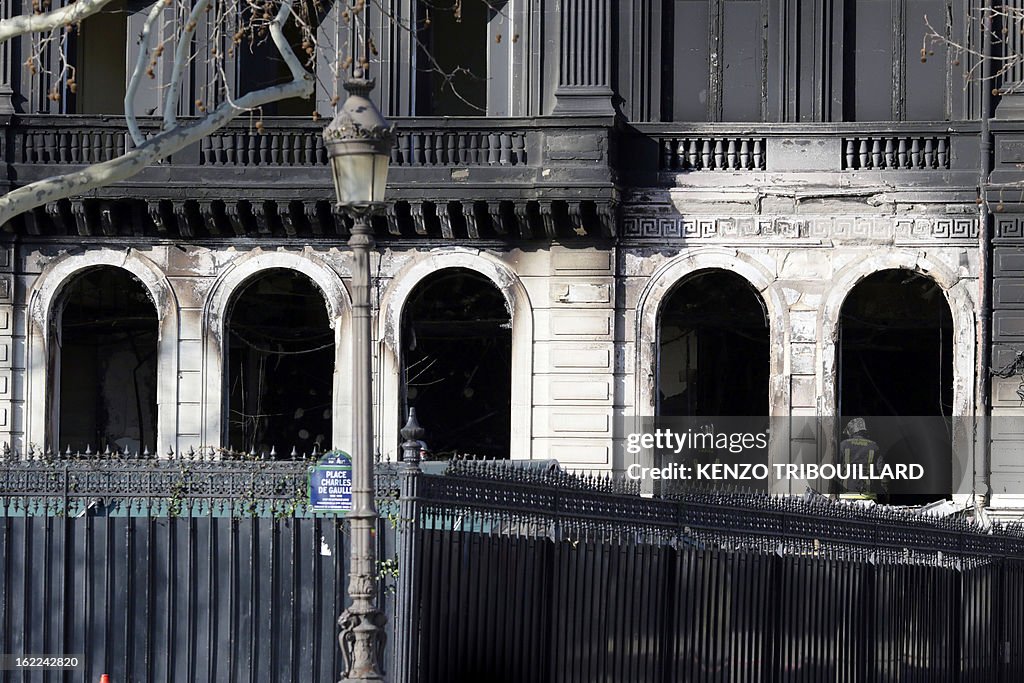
(858, 448)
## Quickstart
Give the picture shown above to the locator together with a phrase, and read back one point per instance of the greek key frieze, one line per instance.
(879, 228)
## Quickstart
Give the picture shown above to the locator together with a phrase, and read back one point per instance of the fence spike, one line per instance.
(273, 452)
(170, 451)
(145, 452)
(294, 454)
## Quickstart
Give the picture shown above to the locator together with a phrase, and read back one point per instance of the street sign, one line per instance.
(330, 483)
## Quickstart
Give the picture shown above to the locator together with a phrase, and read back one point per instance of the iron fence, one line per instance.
(190, 568)
(207, 569)
(532, 575)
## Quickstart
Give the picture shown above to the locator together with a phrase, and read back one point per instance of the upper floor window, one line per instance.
(463, 57)
(101, 76)
(714, 60)
(834, 60)
(884, 77)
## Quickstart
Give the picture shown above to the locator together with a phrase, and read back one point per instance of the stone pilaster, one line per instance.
(584, 60)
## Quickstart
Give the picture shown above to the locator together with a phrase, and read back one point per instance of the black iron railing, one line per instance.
(195, 483)
(544, 576)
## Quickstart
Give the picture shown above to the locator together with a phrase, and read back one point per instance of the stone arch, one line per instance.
(659, 287)
(214, 318)
(45, 293)
(959, 298)
(390, 327)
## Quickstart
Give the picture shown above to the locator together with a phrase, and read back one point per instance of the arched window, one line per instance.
(457, 363)
(280, 377)
(106, 363)
(713, 348)
(895, 370)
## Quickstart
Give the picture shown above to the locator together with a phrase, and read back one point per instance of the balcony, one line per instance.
(908, 155)
(473, 178)
(450, 178)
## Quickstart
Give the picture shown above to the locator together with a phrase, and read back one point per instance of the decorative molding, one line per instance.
(295, 219)
(816, 227)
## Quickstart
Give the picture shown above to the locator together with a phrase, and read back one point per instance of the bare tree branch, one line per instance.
(181, 57)
(166, 142)
(24, 24)
(145, 41)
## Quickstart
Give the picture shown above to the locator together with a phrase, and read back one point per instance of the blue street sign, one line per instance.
(330, 483)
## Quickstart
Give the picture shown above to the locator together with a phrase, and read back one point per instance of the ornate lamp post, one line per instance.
(359, 143)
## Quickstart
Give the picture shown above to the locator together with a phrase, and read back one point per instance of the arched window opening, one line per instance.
(106, 366)
(457, 363)
(896, 371)
(280, 376)
(713, 348)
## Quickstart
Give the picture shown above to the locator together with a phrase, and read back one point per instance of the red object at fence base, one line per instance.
(104, 678)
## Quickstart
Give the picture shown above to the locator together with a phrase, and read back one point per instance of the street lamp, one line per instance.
(359, 143)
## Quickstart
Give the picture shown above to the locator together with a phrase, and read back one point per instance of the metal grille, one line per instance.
(185, 569)
(540, 576)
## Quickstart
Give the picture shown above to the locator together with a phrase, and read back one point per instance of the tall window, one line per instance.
(464, 57)
(896, 371)
(101, 78)
(259, 63)
(280, 366)
(457, 363)
(791, 60)
(106, 367)
(713, 348)
(715, 66)
(884, 78)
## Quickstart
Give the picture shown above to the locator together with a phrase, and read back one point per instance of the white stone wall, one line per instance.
(584, 318)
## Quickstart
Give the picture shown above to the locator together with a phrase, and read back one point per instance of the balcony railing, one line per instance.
(855, 147)
(278, 142)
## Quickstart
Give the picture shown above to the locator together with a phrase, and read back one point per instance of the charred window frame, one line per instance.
(713, 324)
(258, 64)
(895, 370)
(104, 358)
(280, 362)
(456, 363)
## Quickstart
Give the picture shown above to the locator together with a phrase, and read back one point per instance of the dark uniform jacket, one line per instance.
(859, 449)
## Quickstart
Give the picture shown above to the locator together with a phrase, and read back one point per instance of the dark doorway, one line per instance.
(457, 363)
(897, 347)
(713, 348)
(896, 370)
(280, 366)
(107, 363)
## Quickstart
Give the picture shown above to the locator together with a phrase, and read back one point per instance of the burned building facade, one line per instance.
(696, 207)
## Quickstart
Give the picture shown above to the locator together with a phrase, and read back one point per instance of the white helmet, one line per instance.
(855, 425)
